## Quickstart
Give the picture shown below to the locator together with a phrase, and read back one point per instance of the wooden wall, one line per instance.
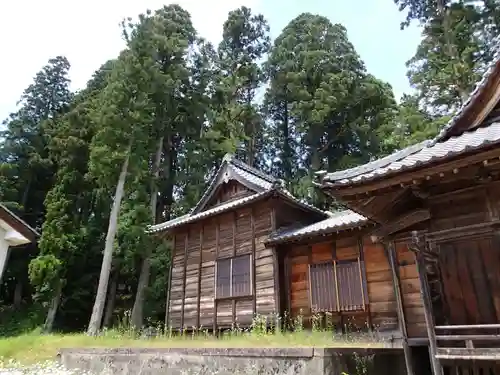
(468, 264)
(231, 190)
(381, 311)
(197, 246)
(410, 289)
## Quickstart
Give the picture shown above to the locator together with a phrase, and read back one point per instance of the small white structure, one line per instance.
(13, 232)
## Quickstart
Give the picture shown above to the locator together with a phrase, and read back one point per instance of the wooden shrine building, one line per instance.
(223, 273)
(416, 254)
(444, 194)
(250, 248)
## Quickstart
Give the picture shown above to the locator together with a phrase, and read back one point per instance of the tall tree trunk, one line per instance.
(138, 309)
(100, 299)
(110, 303)
(287, 149)
(450, 49)
(54, 305)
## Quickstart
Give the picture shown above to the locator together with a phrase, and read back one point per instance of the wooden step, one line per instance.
(467, 354)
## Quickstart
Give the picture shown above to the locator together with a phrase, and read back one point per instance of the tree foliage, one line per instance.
(138, 144)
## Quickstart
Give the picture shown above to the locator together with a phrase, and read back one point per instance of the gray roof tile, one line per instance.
(419, 155)
(266, 183)
(337, 221)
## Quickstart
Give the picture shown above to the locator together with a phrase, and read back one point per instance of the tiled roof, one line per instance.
(248, 173)
(493, 67)
(418, 155)
(337, 221)
(185, 219)
(190, 218)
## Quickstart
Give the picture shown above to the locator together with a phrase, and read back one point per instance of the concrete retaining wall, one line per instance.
(233, 361)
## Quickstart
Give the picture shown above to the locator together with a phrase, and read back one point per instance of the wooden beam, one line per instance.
(464, 231)
(169, 285)
(391, 254)
(198, 317)
(217, 240)
(384, 203)
(233, 302)
(469, 326)
(457, 354)
(364, 282)
(254, 292)
(186, 242)
(468, 337)
(486, 108)
(400, 223)
(418, 244)
(288, 281)
(277, 292)
(309, 283)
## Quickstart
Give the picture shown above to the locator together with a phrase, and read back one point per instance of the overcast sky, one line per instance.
(88, 34)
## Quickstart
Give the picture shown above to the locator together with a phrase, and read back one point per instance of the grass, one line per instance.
(35, 347)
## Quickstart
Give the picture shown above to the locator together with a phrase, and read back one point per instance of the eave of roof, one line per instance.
(28, 230)
(338, 221)
(231, 205)
(418, 156)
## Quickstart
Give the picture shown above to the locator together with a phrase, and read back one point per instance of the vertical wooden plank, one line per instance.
(169, 285)
(288, 282)
(479, 278)
(429, 319)
(233, 303)
(217, 239)
(364, 282)
(391, 255)
(254, 288)
(277, 292)
(489, 257)
(491, 207)
(334, 287)
(198, 317)
(309, 261)
(186, 239)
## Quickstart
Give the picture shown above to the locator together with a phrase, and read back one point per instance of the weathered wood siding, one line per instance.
(410, 289)
(196, 249)
(231, 190)
(468, 264)
(378, 277)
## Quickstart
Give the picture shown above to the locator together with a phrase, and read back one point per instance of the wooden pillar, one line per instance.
(288, 282)
(254, 291)
(233, 302)
(391, 254)
(417, 248)
(169, 285)
(277, 304)
(364, 281)
(217, 239)
(198, 317)
(186, 241)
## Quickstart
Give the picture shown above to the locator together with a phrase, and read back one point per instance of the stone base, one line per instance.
(234, 361)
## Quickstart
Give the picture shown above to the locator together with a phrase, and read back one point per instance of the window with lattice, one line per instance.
(338, 286)
(234, 277)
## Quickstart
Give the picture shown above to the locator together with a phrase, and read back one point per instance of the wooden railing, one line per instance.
(470, 349)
